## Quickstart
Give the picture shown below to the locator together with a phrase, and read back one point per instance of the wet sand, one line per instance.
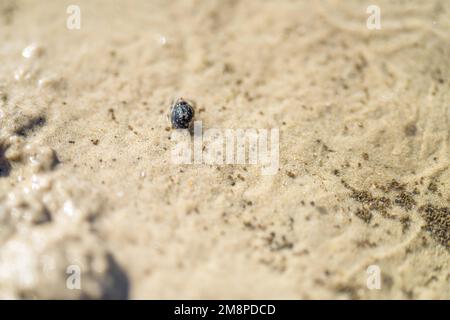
(86, 177)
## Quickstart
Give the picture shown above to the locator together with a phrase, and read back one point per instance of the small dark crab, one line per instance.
(182, 114)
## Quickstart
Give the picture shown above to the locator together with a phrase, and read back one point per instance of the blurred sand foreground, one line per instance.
(88, 188)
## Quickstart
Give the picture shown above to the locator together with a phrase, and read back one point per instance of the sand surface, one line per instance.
(86, 172)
